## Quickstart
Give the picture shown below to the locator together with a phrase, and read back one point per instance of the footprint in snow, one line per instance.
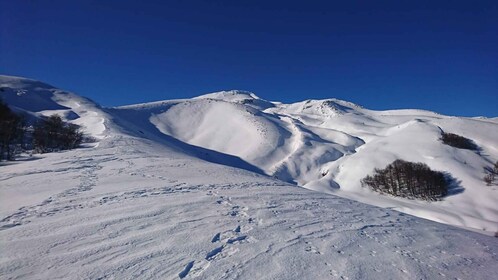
(194, 269)
(311, 248)
(221, 252)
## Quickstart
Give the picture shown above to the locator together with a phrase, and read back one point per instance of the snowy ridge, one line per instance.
(239, 97)
(329, 145)
(36, 99)
(147, 202)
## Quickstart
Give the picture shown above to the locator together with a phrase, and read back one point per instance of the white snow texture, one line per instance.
(230, 186)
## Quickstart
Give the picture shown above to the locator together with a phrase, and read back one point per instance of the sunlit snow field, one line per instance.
(193, 188)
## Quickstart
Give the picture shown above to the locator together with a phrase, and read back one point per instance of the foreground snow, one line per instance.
(134, 209)
(141, 204)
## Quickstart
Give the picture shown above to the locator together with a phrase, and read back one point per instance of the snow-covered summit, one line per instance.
(325, 145)
(36, 99)
(230, 95)
(240, 97)
(30, 95)
(183, 189)
(325, 108)
(330, 145)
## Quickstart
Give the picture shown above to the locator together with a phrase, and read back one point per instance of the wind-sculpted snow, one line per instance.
(324, 145)
(168, 192)
(330, 145)
(35, 99)
(24, 93)
(132, 208)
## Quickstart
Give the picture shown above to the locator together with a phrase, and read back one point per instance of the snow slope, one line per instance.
(143, 205)
(131, 208)
(330, 145)
(35, 99)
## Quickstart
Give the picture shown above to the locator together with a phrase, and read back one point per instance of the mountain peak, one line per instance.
(229, 95)
(240, 97)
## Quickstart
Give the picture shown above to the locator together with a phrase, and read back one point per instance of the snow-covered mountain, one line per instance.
(195, 188)
(330, 145)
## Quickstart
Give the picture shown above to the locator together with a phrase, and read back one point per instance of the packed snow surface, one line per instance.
(160, 197)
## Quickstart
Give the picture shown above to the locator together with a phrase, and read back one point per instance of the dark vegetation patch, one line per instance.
(46, 135)
(491, 174)
(411, 180)
(458, 141)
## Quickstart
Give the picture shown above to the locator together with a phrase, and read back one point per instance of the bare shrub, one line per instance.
(408, 179)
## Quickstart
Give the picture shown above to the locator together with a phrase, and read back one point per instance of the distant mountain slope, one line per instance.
(141, 204)
(36, 99)
(324, 145)
(330, 145)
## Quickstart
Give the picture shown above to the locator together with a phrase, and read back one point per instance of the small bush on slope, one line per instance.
(491, 174)
(458, 141)
(408, 179)
(53, 134)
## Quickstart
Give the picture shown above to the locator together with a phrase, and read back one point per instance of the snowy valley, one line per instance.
(231, 186)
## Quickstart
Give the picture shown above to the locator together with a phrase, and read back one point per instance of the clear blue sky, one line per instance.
(435, 55)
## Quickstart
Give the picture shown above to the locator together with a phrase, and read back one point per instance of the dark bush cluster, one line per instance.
(408, 179)
(12, 130)
(52, 134)
(491, 174)
(458, 141)
(47, 135)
